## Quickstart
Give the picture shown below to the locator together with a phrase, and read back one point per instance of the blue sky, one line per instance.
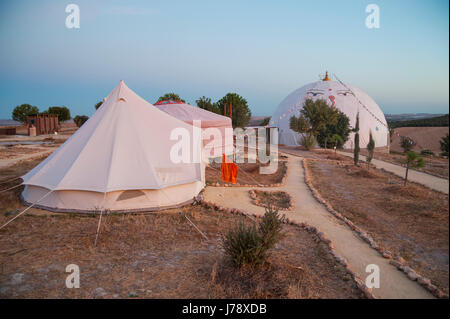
(261, 50)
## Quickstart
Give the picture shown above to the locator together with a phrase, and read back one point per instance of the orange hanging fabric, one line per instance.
(229, 170)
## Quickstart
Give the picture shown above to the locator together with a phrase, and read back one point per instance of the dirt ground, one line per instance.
(8, 152)
(158, 255)
(412, 221)
(433, 165)
(425, 137)
(270, 198)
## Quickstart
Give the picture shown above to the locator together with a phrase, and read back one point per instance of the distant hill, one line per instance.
(9, 123)
(256, 120)
(423, 122)
(409, 116)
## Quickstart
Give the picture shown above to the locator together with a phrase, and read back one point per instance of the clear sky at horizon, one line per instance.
(262, 50)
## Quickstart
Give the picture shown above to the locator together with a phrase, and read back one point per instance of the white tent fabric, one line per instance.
(338, 95)
(118, 160)
(188, 113)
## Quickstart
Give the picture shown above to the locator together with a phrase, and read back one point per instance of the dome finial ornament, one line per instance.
(326, 78)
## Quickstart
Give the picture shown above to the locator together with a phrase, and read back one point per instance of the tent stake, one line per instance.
(201, 233)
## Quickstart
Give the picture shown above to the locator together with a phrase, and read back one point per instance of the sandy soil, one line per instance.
(411, 221)
(433, 165)
(425, 137)
(159, 256)
(10, 152)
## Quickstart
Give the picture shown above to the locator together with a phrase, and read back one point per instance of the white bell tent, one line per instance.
(350, 100)
(119, 160)
(211, 124)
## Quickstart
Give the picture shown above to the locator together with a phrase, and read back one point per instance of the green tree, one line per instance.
(444, 145)
(314, 118)
(412, 160)
(98, 104)
(336, 140)
(206, 104)
(356, 149)
(80, 119)
(241, 111)
(171, 96)
(21, 112)
(62, 112)
(370, 149)
(341, 128)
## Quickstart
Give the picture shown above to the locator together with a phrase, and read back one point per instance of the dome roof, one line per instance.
(342, 96)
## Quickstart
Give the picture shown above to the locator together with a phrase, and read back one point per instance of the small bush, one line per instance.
(407, 143)
(250, 245)
(270, 227)
(426, 152)
(308, 141)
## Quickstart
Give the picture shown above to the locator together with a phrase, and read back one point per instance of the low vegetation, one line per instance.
(413, 160)
(444, 145)
(370, 149)
(80, 120)
(250, 244)
(410, 221)
(356, 149)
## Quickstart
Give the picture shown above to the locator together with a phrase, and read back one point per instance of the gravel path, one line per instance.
(393, 283)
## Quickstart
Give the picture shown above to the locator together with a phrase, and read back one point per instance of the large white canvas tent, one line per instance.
(350, 100)
(119, 160)
(214, 145)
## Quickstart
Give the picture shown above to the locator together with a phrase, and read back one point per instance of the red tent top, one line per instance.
(168, 102)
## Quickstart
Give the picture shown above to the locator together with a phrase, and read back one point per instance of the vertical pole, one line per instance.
(225, 110)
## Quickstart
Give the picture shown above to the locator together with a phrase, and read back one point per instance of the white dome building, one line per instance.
(346, 98)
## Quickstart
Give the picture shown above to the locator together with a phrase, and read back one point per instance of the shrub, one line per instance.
(444, 145)
(357, 148)
(171, 96)
(270, 227)
(426, 152)
(407, 143)
(308, 141)
(80, 119)
(412, 161)
(370, 149)
(251, 245)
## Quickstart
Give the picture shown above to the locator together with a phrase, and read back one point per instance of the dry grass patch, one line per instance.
(412, 221)
(279, 199)
(159, 256)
